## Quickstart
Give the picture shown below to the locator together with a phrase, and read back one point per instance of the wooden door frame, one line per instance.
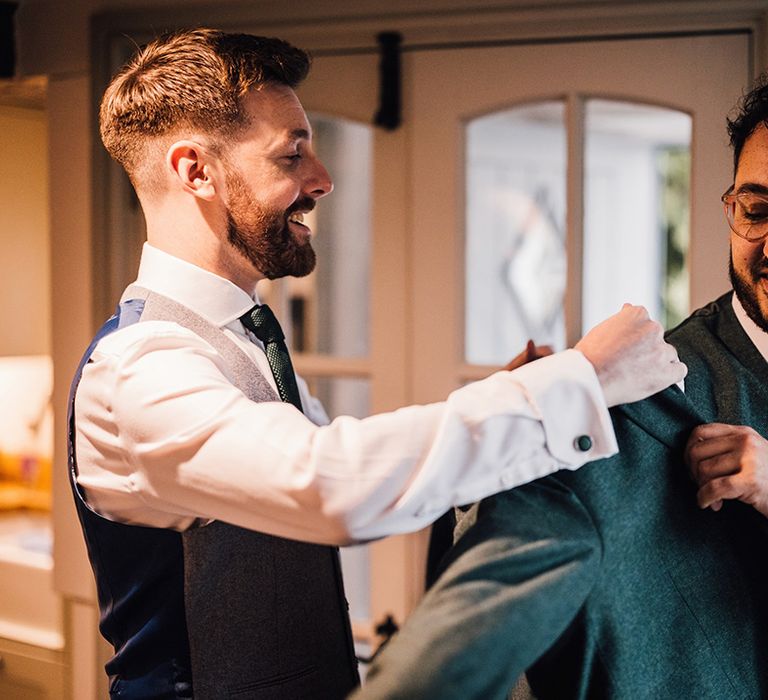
(344, 27)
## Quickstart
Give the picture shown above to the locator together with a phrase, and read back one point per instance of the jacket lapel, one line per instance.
(668, 416)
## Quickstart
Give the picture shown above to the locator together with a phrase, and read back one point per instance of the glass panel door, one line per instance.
(636, 209)
(634, 123)
(515, 231)
(636, 173)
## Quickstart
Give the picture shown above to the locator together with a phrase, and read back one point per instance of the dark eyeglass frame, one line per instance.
(729, 199)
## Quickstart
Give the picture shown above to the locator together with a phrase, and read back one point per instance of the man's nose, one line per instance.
(319, 184)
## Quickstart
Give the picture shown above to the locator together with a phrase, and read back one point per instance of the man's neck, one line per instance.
(200, 245)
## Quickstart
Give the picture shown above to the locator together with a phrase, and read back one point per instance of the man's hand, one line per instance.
(532, 352)
(729, 462)
(630, 357)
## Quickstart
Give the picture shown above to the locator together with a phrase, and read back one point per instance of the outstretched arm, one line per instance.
(509, 588)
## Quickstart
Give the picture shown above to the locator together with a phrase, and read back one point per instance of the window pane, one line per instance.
(515, 231)
(636, 210)
(327, 311)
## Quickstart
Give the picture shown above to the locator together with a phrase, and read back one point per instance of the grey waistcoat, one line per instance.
(266, 616)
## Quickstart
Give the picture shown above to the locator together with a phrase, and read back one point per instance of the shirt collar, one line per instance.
(756, 334)
(213, 297)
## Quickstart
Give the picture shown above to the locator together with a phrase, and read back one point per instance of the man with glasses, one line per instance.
(731, 461)
(628, 579)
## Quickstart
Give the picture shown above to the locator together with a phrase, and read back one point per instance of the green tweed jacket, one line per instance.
(608, 582)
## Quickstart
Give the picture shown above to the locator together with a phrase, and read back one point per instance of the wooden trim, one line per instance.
(352, 25)
(472, 373)
(311, 365)
(574, 236)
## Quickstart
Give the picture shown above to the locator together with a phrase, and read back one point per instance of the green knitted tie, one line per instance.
(262, 322)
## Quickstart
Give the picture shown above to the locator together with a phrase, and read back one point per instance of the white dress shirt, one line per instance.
(164, 438)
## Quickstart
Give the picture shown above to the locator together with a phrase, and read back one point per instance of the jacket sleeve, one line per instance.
(511, 585)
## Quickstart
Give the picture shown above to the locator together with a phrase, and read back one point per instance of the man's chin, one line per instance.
(304, 260)
(754, 301)
(301, 264)
(762, 312)
(752, 293)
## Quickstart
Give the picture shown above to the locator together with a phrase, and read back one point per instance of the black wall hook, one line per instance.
(7, 39)
(389, 114)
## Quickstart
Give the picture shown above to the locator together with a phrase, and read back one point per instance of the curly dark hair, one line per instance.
(751, 111)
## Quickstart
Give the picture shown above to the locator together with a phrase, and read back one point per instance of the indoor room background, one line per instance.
(503, 171)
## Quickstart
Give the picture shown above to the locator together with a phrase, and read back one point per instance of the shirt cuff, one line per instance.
(564, 391)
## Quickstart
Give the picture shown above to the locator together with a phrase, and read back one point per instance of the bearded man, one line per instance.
(211, 489)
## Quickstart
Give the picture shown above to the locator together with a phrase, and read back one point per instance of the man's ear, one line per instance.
(193, 166)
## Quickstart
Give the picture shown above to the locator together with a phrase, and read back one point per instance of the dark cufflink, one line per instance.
(583, 443)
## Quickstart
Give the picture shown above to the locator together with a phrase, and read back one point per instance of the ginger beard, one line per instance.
(747, 285)
(263, 235)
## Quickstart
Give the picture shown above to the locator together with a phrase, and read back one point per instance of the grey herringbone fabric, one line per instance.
(266, 616)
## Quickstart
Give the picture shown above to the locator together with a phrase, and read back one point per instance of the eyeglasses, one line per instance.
(747, 214)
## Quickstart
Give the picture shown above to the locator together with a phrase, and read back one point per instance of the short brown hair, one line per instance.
(195, 78)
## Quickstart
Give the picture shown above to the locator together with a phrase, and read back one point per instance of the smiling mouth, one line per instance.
(297, 225)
